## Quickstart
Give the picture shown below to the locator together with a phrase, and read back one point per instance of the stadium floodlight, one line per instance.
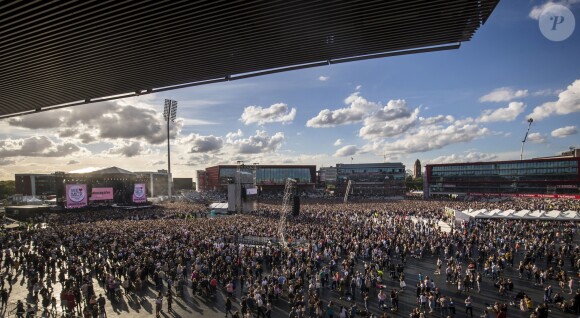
(173, 110)
(169, 114)
(166, 109)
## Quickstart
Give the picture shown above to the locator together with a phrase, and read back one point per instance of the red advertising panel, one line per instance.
(139, 194)
(99, 194)
(76, 196)
(529, 195)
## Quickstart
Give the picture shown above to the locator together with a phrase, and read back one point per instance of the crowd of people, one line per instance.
(352, 259)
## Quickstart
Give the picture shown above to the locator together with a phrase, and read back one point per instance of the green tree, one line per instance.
(413, 184)
(7, 188)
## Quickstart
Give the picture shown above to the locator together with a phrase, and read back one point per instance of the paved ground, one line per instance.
(197, 306)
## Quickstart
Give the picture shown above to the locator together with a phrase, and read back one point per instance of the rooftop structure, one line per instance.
(78, 52)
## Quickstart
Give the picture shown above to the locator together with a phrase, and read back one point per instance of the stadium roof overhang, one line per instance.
(62, 53)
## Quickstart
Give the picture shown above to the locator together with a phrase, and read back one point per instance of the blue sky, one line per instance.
(469, 104)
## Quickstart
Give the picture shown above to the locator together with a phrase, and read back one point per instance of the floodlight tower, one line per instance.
(169, 114)
(530, 121)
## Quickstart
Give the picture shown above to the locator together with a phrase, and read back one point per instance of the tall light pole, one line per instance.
(169, 114)
(530, 121)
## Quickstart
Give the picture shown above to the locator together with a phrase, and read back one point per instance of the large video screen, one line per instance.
(99, 194)
(76, 196)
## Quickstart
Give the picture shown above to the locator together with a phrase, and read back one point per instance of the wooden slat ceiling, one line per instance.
(61, 53)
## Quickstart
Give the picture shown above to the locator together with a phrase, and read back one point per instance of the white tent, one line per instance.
(493, 214)
(553, 214)
(521, 214)
(462, 216)
(478, 215)
(570, 215)
(508, 214)
(537, 214)
(221, 208)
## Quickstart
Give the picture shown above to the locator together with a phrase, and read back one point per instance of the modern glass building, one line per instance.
(547, 176)
(386, 178)
(267, 176)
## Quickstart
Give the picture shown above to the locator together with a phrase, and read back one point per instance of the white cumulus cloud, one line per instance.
(503, 94)
(471, 156)
(426, 138)
(568, 102)
(537, 138)
(509, 113)
(323, 78)
(358, 108)
(107, 121)
(393, 119)
(564, 131)
(231, 136)
(338, 142)
(536, 11)
(276, 113)
(345, 151)
(199, 143)
(128, 149)
(258, 143)
(38, 146)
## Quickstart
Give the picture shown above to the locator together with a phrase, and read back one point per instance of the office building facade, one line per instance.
(267, 177)
(371, 179)
(547, 177)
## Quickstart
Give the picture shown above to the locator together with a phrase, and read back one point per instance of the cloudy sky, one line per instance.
(469, 104)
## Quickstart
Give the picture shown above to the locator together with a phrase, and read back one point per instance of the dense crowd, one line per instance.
(353, 250)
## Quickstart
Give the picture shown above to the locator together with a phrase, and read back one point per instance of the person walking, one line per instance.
(330, 310)
(4, 295)
(169, 301)
(469, 306)
(158, 304)
(229, 306)
(20, 311)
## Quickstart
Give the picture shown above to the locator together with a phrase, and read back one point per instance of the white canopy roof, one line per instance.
(523, 214)
(217, 206)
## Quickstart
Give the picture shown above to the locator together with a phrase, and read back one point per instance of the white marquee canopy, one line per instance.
(552, 215)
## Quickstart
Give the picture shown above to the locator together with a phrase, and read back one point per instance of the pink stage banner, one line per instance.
(76, 196)
(139, 194)
(99, 194)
